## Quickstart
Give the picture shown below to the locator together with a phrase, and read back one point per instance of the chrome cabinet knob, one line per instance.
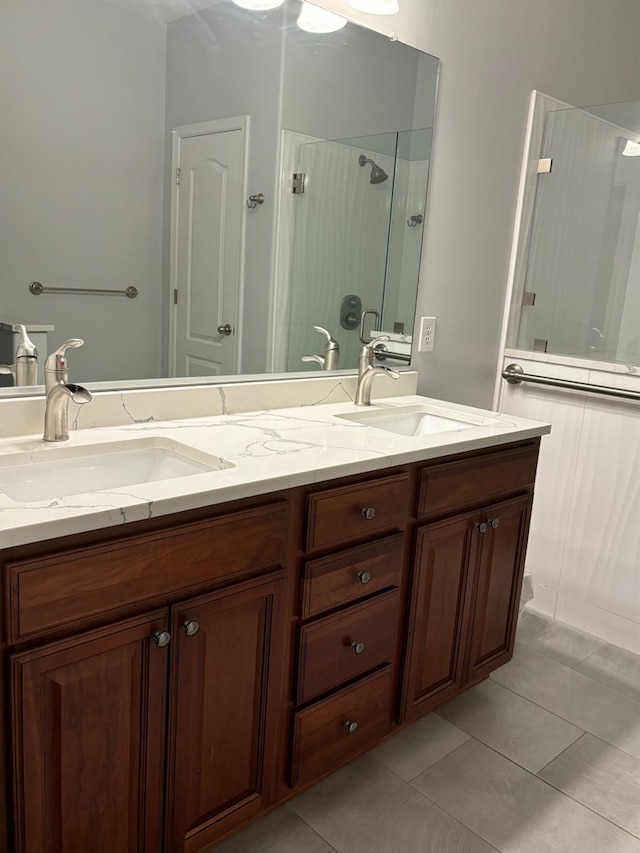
(495, 523)
(483, 527)
(225, 330)
(190, 628)
(351, 728)
(161, 639)
(368, 512)
(364, 577)
(358, 648)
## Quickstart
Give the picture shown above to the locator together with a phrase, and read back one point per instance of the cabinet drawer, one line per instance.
(351, 512)
(455, 486)
(345, 577)
(322, 739)
(343, 646)
(77, 585)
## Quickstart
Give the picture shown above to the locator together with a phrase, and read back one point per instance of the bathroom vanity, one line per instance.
(169, 679)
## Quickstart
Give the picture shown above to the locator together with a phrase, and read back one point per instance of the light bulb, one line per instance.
(313, 19)
(375, 7)
(258, 5)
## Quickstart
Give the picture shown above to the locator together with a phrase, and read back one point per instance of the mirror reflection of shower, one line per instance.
(378, 174)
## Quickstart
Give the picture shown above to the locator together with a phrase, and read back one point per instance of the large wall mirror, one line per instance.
(250, 175)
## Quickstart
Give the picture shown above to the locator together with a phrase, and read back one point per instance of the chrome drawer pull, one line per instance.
(161, 639)
(351, 728)
(368, 512)
(358, 648)
(364, 577)
(190, 628)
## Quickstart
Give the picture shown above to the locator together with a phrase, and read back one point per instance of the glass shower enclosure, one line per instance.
(581, 291)
(357, 241)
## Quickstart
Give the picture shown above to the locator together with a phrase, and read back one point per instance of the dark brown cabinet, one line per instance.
(435, 665)
(467, 576)
(497, 580)
(226, 688)
(88, 738)
(171, 680)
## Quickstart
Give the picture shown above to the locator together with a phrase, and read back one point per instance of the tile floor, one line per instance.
(544, 756)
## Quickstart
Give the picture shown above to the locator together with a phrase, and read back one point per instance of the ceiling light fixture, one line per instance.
(258, 5)
(375, 7)
(631, 149)
(313, 19)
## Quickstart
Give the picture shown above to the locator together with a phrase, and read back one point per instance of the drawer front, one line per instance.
(330, 732)
(351, 512)
(343, 646)
(78, 585)
(455, 486)
(350, 575)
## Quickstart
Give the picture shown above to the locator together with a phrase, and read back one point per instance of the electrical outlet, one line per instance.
(427, 334)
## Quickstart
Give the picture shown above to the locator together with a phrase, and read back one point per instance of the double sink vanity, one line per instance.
(204, 614)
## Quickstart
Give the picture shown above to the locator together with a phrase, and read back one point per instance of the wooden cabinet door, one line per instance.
(497, 581)
(434, 666)
(226, 691)
(88, 741)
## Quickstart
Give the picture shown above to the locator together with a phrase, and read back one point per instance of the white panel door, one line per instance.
(208, 241)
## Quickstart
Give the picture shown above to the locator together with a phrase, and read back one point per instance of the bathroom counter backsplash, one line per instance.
(265, 451)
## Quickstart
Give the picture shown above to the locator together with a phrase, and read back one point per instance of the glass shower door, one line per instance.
(340, 242)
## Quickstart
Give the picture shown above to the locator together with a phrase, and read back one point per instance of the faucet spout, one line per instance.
(56, 416)
(367, 372)
(363, 391)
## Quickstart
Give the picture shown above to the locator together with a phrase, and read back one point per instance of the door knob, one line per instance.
(364, 577)
(368, 512)
(351, 727)
(225, 330)
(495, 523)
(482, 527)
(190, 628)
(358, 648)
(161, 639)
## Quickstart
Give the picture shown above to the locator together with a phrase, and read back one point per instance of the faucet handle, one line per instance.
(72, 343)
(323, 331)
(56, 367)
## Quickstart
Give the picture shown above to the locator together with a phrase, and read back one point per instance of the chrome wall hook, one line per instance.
(415, 220)
(254, 200)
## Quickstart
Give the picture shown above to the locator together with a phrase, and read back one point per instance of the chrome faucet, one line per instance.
(328, 361)
(367, 372)
(59, 391)
(25, 370)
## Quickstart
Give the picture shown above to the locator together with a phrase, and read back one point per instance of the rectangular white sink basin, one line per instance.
(418, 420)
(56, 472)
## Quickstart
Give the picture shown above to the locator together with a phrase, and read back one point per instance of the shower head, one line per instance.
(378, 175)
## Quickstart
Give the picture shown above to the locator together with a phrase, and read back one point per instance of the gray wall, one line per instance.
(67, 215)
(493, 53)
(240, 63)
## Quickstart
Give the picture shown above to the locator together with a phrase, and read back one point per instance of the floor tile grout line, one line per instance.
(583, 674)
(586, 806)
(437, 805)
(535, 704)
(572, 744)
(534, 776)
(585, 731)
(315, 831)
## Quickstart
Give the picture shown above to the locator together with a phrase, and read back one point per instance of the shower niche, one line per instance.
(353, 237)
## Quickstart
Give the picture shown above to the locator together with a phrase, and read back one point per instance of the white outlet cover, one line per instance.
(427, 334)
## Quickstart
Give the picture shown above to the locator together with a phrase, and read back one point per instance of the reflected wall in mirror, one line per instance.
(154, 143)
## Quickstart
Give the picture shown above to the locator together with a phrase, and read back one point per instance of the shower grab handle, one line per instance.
(366, 311)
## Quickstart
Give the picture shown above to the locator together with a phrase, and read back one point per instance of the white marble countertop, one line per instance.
(269, 451)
